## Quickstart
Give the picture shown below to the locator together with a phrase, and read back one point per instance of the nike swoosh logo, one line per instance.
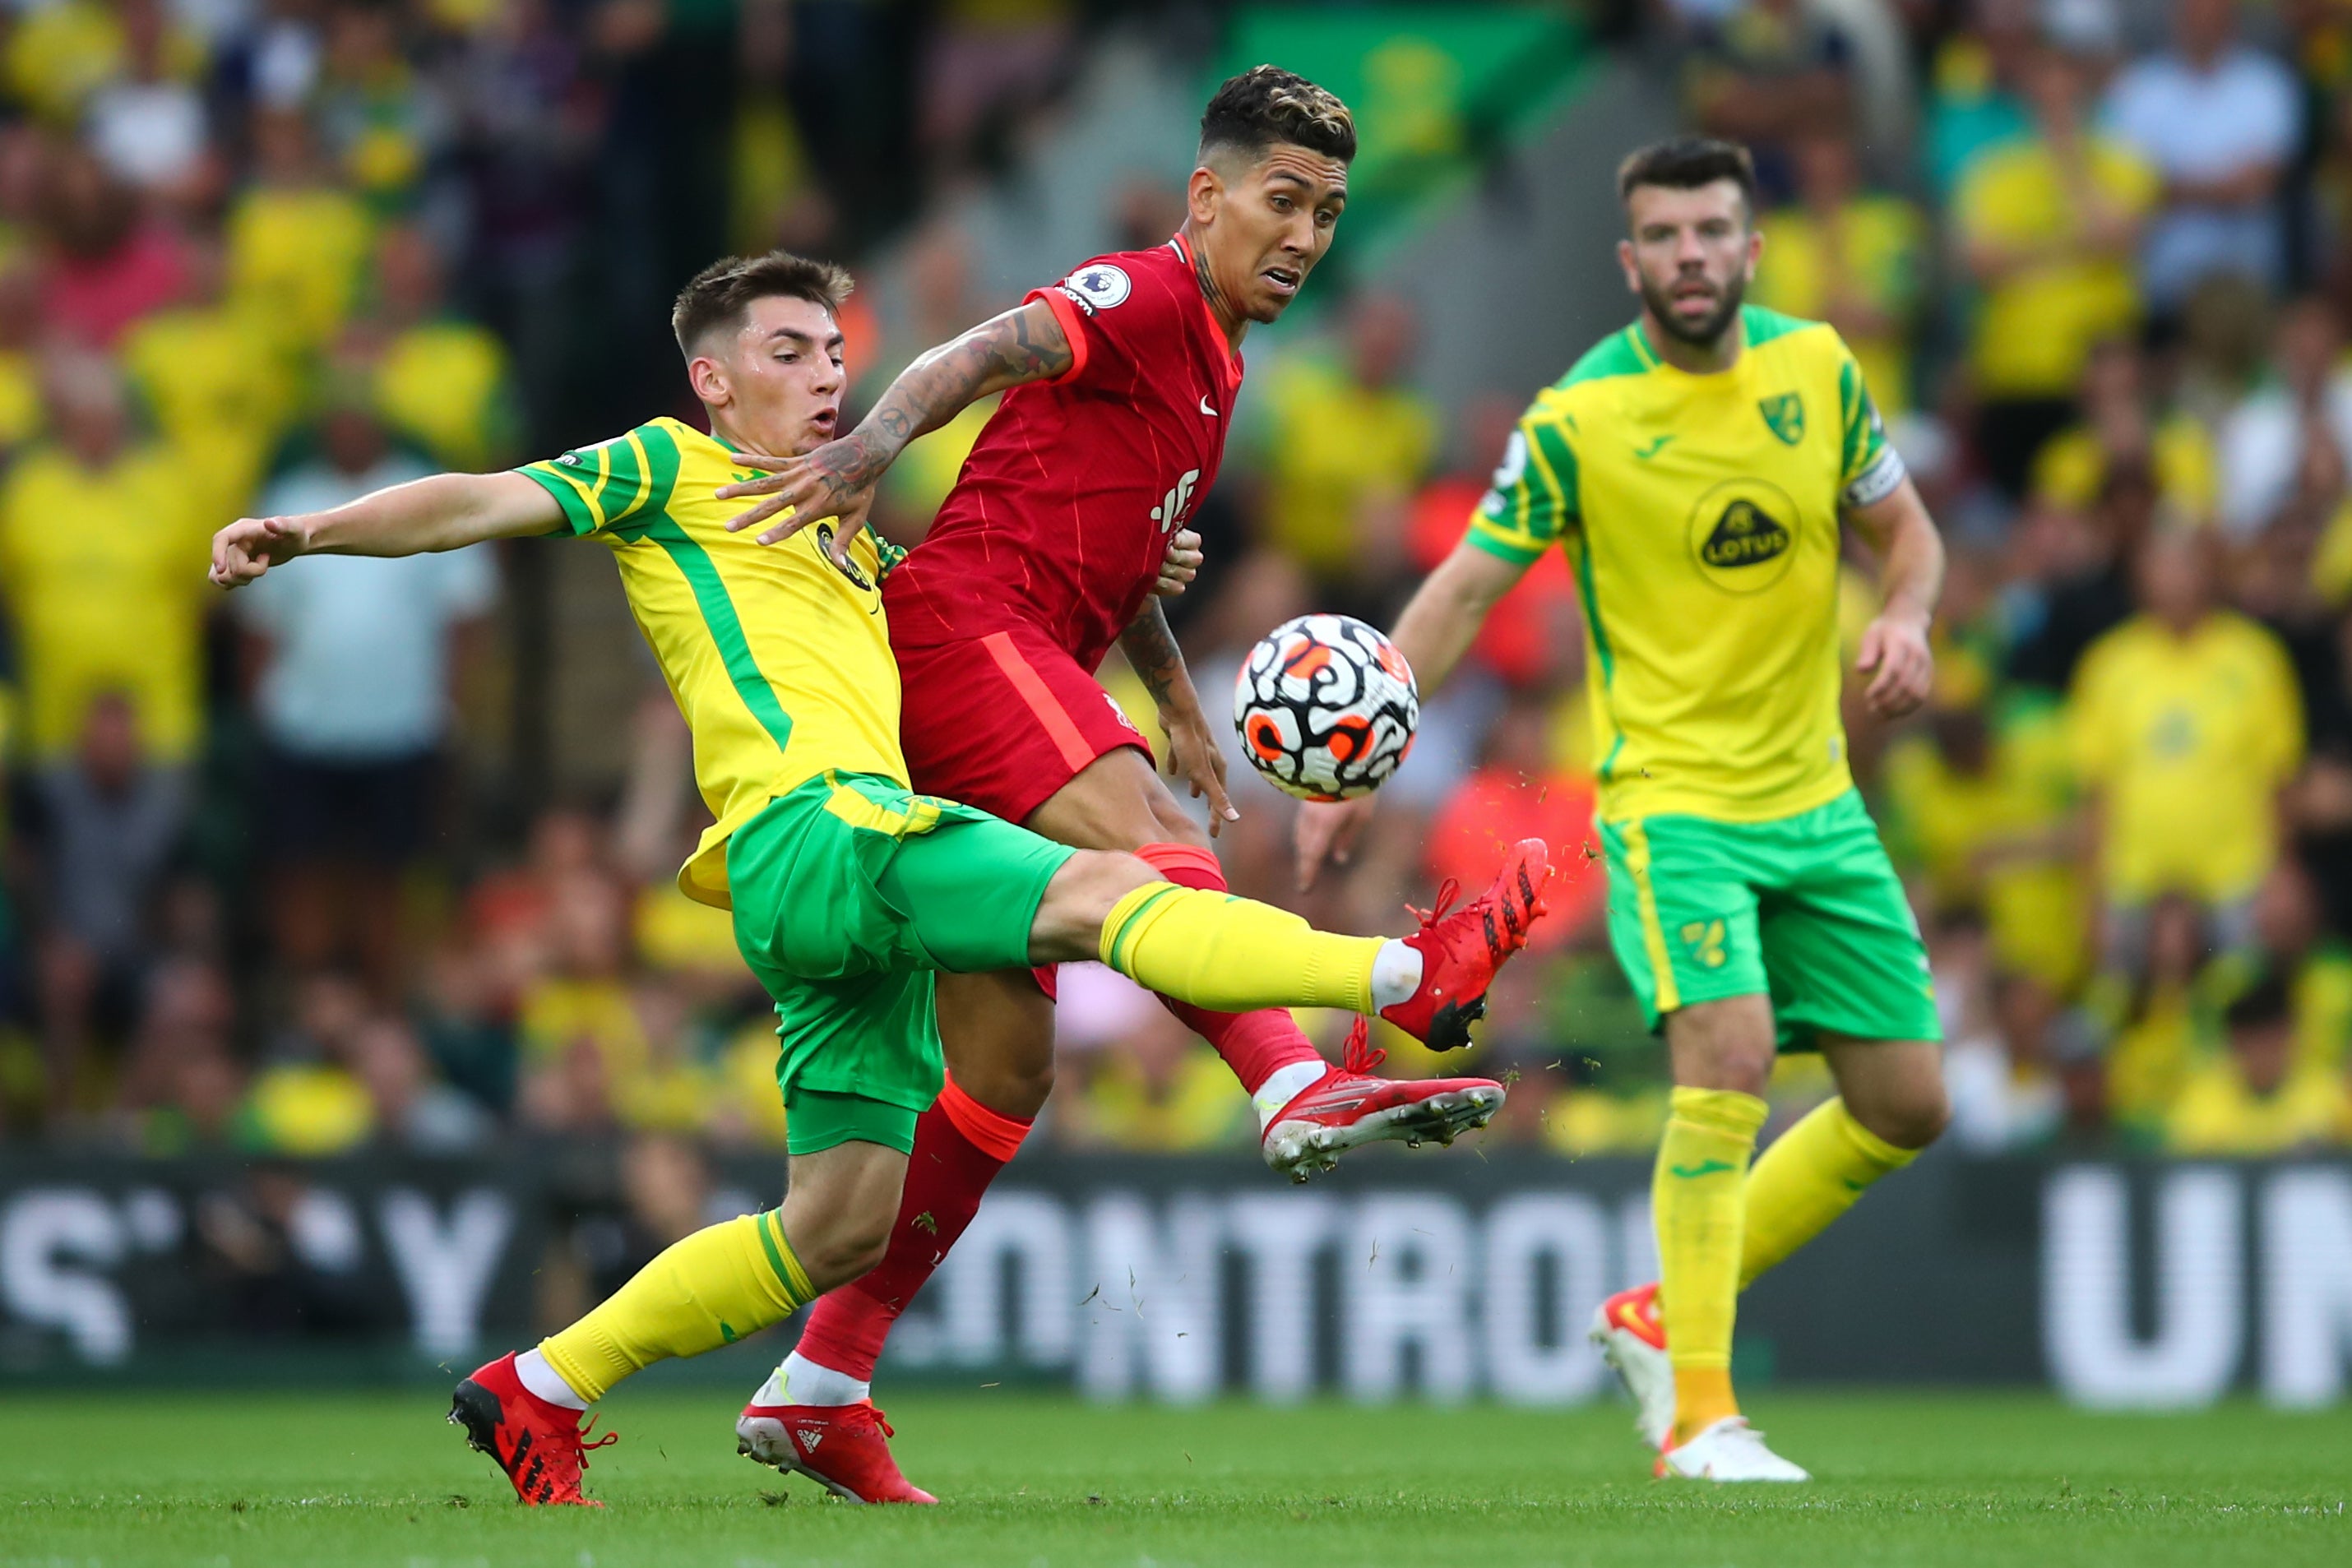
(1206, 408)
(1704, 1167)
(1646, 453)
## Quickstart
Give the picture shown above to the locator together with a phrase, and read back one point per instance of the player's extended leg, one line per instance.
(975, 892)
(711, 1288)
(1308, 1111)
(815, 1414)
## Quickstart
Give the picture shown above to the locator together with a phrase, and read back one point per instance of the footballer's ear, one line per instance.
(709, 381)
(1204, 192)
(1631, 267)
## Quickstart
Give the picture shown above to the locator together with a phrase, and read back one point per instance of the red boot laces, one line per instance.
(1362, 1057)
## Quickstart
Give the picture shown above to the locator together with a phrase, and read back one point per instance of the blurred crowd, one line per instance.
(271, 883)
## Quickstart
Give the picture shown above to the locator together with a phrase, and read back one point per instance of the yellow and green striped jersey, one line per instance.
(779, 660)
(1700, 515)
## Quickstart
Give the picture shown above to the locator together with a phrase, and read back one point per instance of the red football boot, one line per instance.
(1348, 1107)
(542, 1447)
(856, 1466)
(1461, 951)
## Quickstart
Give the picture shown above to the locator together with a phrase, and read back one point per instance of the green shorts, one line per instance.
(848, 893)
(1806, 909)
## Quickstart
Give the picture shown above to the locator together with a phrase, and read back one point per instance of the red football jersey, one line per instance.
(1062, 514)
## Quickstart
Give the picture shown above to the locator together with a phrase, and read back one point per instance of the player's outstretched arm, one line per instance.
(440, 513)
(1194, 754)
(1896, 656)
(837, 480)
(1438, 627)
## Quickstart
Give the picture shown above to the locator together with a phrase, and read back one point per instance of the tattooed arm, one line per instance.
(837, 479)
(1194, 754)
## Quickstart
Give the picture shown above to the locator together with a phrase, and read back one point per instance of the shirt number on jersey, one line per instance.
(1171, 507)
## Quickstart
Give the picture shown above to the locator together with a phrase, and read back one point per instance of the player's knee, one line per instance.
(1079, 900)
(1171, 824)
(1910, 1118)
(848, 1247)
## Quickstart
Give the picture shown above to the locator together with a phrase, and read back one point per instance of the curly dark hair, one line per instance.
(1266, 105)
(720, 294)
(1686, 163)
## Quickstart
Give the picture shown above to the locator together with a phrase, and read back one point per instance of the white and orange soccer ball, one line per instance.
(1326, 707)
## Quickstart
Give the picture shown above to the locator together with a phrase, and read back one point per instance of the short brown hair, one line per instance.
(1685, 163)
(1266, 105)
(720, 294)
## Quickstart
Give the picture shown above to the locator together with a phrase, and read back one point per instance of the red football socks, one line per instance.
(1256, 1044)
(960, 1146)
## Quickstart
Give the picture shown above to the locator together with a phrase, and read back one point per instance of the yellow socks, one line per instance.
(1232, 955)
(711, 1289)
(1812, 1173)
(1698, 1199)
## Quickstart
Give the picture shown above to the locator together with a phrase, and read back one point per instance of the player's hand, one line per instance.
(1180, 566)
(251, 546)
(1900, 666)
(1194, 755)
(836, 481)
(1327, 829)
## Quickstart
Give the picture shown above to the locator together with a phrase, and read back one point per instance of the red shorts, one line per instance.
(1003, 722)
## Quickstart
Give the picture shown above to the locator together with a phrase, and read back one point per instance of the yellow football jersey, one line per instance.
(1700, 515)
(779, 660)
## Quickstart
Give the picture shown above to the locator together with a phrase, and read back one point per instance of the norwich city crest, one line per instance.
(1785, 413)
(1743, 534)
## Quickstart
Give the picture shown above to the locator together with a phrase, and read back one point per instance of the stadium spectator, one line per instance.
(1345, 440)
(2122, 427)
(983, 64)
(438, 380)
(2187, 726)
(377, 125)
(306, 1102)
(2251, 1099)
(2290, 444)
(2219, 121)
(1850, 256)
(1770, 73)
(108, 820)
(297, 241)
(408, 1108)
(1982, 814)
(356, 665)
(101, 568)
(1972, 96)
(209, 374)
(470, 1038)
(2047, 226)
(2006, 1095)
(148, 123)
(2076, 585)
(2150, 1009)
(106, 264)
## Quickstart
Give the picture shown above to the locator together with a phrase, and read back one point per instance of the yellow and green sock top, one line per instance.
(712, 1287)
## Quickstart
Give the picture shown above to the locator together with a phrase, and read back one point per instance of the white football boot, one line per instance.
(1633, 1342)
(1730, 1450)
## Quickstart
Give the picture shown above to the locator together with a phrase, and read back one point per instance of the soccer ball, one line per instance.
(1326, 707)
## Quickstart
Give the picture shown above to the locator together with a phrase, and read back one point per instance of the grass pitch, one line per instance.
(350, 1480)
